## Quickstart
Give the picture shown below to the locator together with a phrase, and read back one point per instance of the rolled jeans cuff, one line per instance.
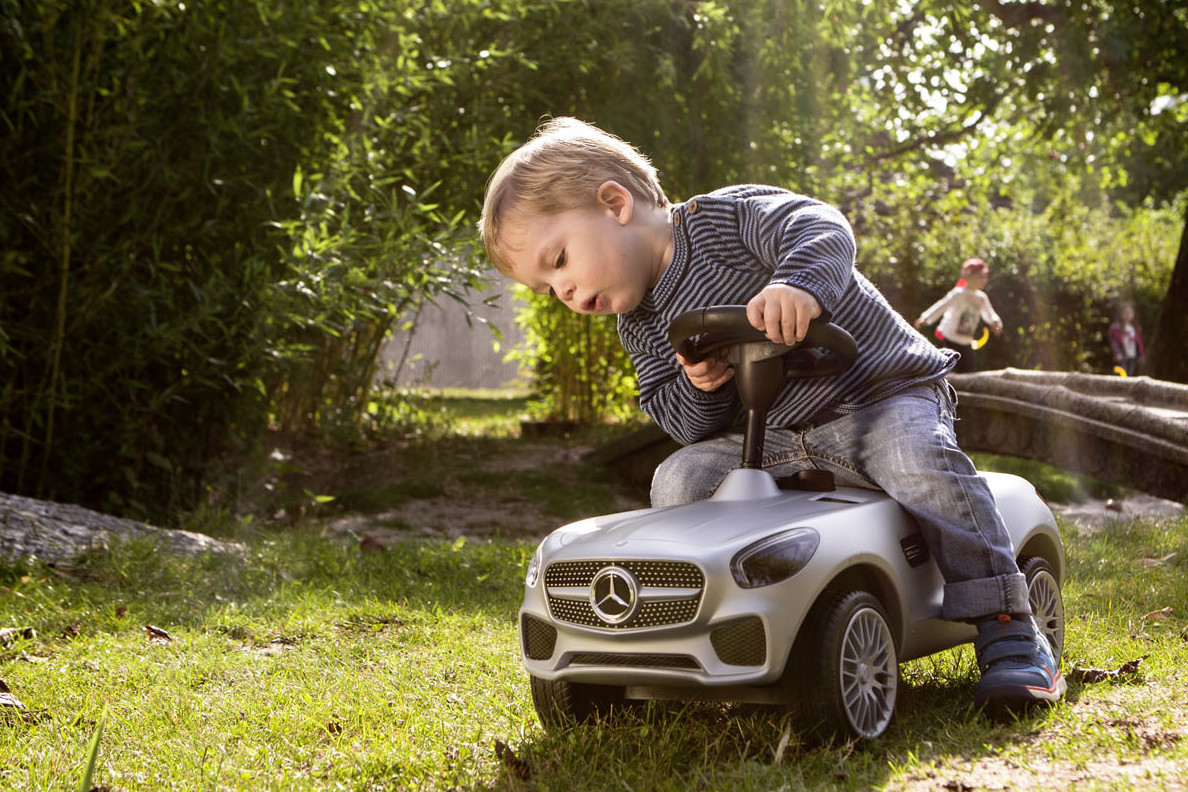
(972, 600)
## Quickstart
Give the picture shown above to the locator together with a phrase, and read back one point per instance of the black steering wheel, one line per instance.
(760, 367)
(725, 333)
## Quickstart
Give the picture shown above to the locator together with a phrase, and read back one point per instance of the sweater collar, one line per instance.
(662, 293)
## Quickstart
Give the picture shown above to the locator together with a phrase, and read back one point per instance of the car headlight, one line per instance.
(534, 568)
(775, 558)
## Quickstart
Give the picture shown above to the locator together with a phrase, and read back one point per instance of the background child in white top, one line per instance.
(960, 312)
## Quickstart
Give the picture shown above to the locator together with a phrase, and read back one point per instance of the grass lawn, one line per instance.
(313, 662)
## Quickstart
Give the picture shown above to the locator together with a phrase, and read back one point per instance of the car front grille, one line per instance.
(670, 592)
(677, 574)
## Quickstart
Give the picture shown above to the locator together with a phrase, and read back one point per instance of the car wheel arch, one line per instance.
(876, 581)
(1043, 545)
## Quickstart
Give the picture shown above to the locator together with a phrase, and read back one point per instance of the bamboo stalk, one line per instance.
(67, 218)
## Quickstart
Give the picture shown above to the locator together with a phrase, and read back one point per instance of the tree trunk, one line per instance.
(1166, 358)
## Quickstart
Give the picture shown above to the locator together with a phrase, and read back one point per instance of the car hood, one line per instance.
(710, 522)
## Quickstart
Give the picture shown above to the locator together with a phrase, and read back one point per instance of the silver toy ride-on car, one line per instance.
(791, 593)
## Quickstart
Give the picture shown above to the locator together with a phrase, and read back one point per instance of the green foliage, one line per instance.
(579, 368)
(1058, 270)
(135, 153)
(905, 145)
(216, 213)
(1053, 484)
(165, 293)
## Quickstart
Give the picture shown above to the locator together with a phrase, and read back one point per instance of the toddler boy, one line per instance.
(580, 215)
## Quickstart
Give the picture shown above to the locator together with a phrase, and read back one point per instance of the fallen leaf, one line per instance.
(372, 545)
(1158, 615)
(157, 634)
(515, 765)
(9, 635)
(7, 699)
(1154, 562)
(1089, 676)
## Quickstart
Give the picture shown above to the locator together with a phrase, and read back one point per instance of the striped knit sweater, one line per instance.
(727, 246)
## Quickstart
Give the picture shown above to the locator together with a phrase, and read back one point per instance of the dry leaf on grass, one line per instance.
(515, 765)
(1158, 615)
(157, 634)
(7, 699)
(1089, 676)
(9, 635)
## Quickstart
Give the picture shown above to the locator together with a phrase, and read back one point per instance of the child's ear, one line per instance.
(617, 200)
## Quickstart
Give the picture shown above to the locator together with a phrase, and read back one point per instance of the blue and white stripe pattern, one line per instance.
(728, 245)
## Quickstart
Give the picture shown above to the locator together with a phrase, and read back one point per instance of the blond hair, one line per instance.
(561, 168)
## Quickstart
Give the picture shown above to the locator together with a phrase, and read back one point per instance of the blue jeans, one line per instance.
(906, 446)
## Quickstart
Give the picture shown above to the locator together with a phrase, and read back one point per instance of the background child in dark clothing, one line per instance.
(1126, 340)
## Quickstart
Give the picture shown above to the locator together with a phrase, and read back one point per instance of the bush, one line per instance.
(578, 367)
(166, 294)
(1057, 274)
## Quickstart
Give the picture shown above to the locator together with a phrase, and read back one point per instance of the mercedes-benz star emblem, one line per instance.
(614, 594)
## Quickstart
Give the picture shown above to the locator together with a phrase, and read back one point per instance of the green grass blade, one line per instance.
(85, 786)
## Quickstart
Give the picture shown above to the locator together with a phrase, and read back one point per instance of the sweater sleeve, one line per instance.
(807, 244)
(934, 312)
(666, 396)
(988, 314)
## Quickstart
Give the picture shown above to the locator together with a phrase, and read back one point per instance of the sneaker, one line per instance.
(1018, 670)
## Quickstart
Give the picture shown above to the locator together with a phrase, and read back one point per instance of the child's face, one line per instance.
(978, 280)
(597, 260)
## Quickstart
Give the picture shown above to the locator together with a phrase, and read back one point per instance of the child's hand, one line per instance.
(996, 328)
(783, 312)
(708, 375)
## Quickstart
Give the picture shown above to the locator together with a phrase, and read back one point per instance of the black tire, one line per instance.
(561, 704)
(1047, 603)
(843, 673)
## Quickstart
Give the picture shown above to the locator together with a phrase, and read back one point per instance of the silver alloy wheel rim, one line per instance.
(1048, 606)
(869, 673)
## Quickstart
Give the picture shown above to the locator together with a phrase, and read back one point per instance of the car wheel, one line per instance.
(846, 669)
(560, 704)
(1047, 603)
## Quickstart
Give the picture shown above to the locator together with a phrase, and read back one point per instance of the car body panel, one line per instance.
(865, 539)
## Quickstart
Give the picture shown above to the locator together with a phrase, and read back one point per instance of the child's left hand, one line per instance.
(707, 375)
(783, 312)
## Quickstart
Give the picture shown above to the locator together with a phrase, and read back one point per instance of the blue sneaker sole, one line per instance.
(1011, 695)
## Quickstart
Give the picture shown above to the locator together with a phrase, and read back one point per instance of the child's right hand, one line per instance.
(708, 375)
